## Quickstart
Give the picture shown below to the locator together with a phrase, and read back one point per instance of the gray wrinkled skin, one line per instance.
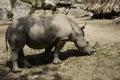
(44, 32)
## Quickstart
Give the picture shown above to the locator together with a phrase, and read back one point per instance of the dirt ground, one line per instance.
(102, 65)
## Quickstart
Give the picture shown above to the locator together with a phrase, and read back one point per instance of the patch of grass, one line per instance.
(102, 52)
(42, 1)
(76, 2)
(9, 15)
(12, 2)
(34, 7)
(27, 1)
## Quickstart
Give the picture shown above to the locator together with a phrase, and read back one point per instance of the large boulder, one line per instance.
(3, 14)
(103, 8)
(80, 13)
(5, 4)
(4, 7)
(21, 9)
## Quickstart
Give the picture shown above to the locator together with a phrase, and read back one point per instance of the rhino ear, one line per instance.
(83, 27)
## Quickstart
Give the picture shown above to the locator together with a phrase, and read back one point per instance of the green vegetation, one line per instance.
(27, 1)
(12, 2)
(42, 1)
(9, 14)
(34, 7)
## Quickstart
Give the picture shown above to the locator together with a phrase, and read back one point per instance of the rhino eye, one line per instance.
(87, 42)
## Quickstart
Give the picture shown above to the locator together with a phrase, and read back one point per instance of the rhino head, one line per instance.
(81, 43)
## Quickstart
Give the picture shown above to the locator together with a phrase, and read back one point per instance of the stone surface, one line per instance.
(79, 1)
(64, 1)
(104, 8)
(5, 4)
(52, 2)
(61, 10)
(21, 9)
(4, 7)
(79, 6)
(3, 14)
(79, 13)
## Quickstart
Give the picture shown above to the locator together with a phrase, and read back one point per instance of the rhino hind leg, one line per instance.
(16, 47)
(14, 60)
(23, 60)
(58, 47)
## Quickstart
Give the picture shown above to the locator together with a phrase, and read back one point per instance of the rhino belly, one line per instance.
(39, 44)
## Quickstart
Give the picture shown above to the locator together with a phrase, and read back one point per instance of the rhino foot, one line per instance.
(56, 61)
(15, 70)
(26, 64)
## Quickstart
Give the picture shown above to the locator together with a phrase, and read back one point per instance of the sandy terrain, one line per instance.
(102, 65)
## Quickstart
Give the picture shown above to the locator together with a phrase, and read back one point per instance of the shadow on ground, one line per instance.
(41, 58)
(47, 73)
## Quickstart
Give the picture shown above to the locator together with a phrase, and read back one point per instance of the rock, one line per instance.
(48, 5)
(79, 6)
(50, 2)
(21, 9)
(79, 13)
(104, 9)
(4, 7)
(64, 3)
(33, 2)
(61, 10)
(3, 14)
(79, 1)
(116, 20)
(5, 4)
(48, 12)
(38, 13)
(39, 4)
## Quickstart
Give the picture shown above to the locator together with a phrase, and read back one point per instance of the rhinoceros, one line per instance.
(44, 32)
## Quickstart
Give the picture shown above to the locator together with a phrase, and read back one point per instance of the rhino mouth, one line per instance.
(89, 52)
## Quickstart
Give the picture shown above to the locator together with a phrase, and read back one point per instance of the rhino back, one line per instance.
(63, 25)
(40, 31)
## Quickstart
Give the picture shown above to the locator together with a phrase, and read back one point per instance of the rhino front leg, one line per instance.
(58, 47)
(14, 60)
(49, 49)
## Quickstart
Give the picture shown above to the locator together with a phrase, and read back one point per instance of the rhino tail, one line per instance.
(6, 41)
